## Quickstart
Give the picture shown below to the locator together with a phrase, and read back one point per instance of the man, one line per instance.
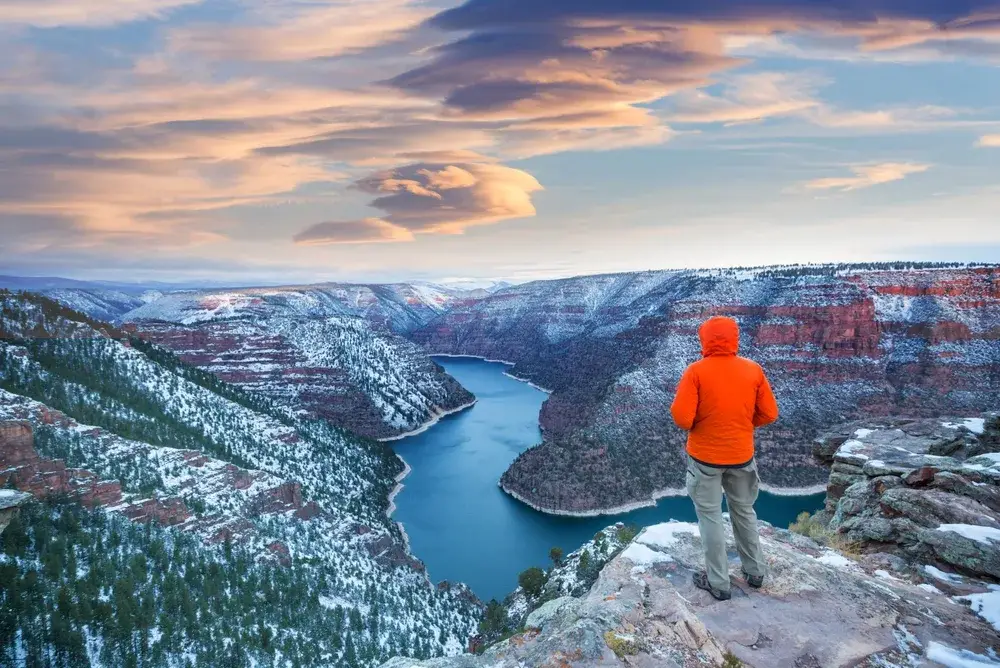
(721, 399)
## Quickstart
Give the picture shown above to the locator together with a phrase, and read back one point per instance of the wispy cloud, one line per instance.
(303, 31)
(866, 176)
(53, 13)
(991, 141)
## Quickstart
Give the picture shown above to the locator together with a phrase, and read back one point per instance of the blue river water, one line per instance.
(465, 528)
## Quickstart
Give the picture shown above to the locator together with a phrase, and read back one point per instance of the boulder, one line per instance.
(539, 618)
(894, 484)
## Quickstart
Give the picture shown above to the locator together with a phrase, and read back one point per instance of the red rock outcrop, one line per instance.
(44, 478)
(21, 465)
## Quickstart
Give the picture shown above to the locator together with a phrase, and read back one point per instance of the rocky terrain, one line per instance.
(924, 490)
(902, 575)
(329, 351)
(96, 420)
(838, 342)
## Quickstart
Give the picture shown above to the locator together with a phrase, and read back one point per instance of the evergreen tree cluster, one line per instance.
(80, 587)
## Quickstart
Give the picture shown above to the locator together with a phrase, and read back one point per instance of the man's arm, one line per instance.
(685, 406)
(766, 410)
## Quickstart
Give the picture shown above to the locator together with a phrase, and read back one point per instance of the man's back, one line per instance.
(722, 398)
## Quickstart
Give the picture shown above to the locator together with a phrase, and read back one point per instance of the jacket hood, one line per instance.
(719, 336)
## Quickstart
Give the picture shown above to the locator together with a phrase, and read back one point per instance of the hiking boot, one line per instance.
(700, 580)
(755, 581)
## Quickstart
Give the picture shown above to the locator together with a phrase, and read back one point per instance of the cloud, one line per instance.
(866, 176)
(755, 97)
(426, 198)
(367, 230)
(989, 141)
(748, 98)
(53, 13)
(304, 31)
(589, 69)
(380, 142)
(440, 198)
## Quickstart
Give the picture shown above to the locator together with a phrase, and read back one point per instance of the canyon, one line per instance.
(838, 343)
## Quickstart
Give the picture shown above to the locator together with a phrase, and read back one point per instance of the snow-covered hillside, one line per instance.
(227, 466)
(326, 352)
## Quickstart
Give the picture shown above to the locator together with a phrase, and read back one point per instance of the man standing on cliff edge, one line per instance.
(720, 400)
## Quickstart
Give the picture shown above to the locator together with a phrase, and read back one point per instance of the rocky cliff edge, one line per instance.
(901, 574)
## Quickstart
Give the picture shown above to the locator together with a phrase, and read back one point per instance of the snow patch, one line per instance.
(642, 557)
(986, 605)
(979, 534)
(837, 561)
(665, 535)
(938, 574)
(975, 425)
(955, 658)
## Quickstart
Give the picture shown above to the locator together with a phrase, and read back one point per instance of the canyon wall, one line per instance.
(838, 343)
(331, 352)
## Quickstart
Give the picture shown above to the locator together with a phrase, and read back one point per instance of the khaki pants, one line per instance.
(705, 485)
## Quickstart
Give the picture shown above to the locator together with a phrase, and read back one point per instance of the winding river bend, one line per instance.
(465, 528)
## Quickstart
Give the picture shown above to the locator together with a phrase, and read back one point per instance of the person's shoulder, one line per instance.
(695, 367)
(749, 363)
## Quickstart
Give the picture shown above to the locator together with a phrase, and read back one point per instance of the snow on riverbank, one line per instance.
(659, 494)
(617, 510)
(793, 491)
(430, 423)
(398, 488)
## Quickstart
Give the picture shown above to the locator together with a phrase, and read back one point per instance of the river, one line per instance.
(463, 526)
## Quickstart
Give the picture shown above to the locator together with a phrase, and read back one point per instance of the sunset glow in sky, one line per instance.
(377, 140)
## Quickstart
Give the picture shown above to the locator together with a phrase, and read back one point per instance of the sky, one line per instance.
(382, 140)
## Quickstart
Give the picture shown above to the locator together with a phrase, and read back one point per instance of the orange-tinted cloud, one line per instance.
(866, 176)
(426, 198)
(367, 230)
(989, 141)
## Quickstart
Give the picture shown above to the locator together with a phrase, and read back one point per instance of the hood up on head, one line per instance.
(719, 336)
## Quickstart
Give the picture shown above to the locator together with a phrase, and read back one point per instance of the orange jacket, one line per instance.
(722, 398)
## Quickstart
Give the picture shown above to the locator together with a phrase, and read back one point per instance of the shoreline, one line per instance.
(430, 423)
(616, 510)
(527, 382)
(392, 503)
(812, 490)
(506, 373)
(398, 488)
(656, 496)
